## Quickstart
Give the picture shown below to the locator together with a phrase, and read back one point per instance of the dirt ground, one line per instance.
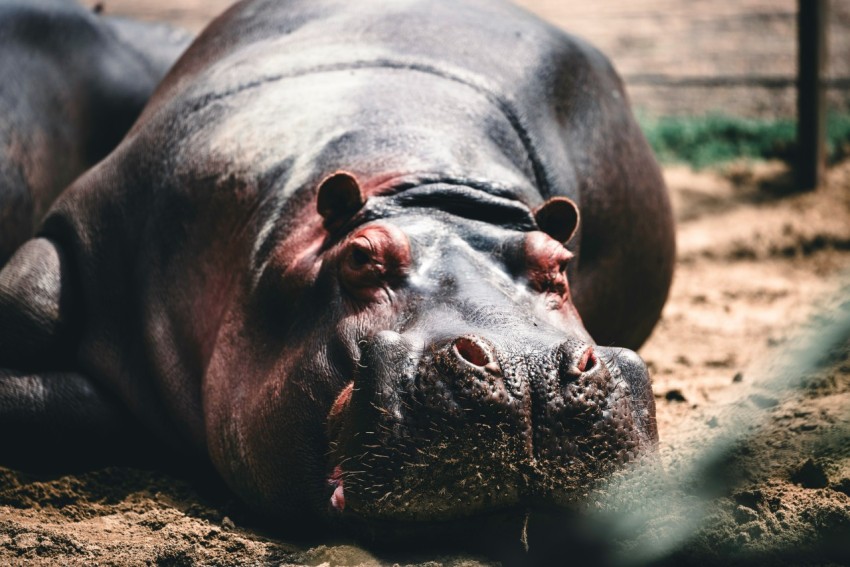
(758, 267)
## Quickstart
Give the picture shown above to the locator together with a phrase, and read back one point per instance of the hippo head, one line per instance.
(417, 357)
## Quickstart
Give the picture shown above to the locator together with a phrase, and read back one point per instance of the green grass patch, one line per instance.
(714, 139)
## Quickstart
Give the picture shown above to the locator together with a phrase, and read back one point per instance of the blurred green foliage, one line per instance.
(714, 139)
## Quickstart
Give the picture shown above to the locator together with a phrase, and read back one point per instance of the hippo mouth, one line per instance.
(461, 431)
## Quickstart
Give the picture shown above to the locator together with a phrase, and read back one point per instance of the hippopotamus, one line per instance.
(75, 83)
(377, 263)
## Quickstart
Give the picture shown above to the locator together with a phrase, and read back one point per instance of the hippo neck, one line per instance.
(422, 187)
(456, 133)
(469, 198)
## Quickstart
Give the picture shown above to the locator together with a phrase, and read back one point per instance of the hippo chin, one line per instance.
(340, 257)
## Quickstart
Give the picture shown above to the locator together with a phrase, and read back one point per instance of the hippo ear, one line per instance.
(558, 217)
(339, 198)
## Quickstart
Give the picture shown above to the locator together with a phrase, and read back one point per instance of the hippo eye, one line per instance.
(359, 257)
(373, 261)
(361, 266)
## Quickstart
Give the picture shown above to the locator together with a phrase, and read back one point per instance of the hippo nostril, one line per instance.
(587, 361)
(577, 358)
(472, 352)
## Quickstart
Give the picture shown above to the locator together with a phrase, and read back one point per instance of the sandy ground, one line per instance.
(756, 263)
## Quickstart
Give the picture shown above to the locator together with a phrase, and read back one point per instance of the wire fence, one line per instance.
(696, 57)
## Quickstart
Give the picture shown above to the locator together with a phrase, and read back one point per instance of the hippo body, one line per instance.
(80, 81)
(338, 257)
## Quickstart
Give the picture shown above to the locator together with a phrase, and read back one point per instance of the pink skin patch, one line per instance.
(341, 402)
(338, 497)
(546, 265)
(337, 501)
(374, 259)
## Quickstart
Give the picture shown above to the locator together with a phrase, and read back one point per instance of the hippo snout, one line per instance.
(629, 366)
(466, 425)
(471, 352)
(470, 375)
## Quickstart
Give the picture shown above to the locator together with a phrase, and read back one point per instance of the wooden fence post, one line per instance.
(811, 101)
